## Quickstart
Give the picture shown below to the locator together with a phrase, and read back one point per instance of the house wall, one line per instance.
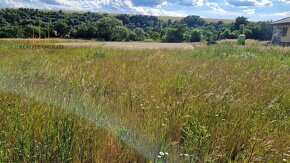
(287, 38)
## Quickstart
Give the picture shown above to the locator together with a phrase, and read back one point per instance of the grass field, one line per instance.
(222, 103)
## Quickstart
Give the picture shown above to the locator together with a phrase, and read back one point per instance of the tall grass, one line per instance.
(221, 103)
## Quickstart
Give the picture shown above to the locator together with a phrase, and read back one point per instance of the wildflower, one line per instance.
(166, 153)
(181, 154)
(285, 154)
(161, 153)
(159, 156)
(284, 159)
(186, 155)
(216, 115)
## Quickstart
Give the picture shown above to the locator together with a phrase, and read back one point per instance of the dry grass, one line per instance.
(219, 103)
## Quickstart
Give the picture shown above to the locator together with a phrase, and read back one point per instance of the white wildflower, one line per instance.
(284, 159)
(285, 154)
(159, 156)
(166, 153)
(161, 153)
(186, 155)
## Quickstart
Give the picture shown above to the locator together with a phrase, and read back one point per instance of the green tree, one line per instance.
(240, 21)
(120, 33)
(140, 34)
(62, 28)
(192, 21)
(132, 36)
(248, 33)
(234, 34)
(178, 33)
(105, 27)
(155, 36)
(196, 35)
(225, 34)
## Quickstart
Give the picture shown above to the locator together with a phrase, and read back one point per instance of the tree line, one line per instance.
(26, 23)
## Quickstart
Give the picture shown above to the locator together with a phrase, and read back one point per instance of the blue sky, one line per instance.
(221, 9)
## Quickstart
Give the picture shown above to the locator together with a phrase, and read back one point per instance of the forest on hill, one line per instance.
(28, 23)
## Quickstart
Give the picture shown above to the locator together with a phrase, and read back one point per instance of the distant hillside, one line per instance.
(165, 18)
(226, 21)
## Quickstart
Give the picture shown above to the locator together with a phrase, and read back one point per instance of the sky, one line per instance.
(220, 9)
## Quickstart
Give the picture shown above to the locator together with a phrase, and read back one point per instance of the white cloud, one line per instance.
(285, 1)
(216, 8)
(117, 6)
(282, 14)
(249, 11)
(198, 3)
(249, 3)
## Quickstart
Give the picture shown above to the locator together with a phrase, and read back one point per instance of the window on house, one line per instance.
(281, 31)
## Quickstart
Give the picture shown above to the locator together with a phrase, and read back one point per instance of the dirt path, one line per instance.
(130, 45)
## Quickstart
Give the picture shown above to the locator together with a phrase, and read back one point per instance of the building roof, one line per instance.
(282, 21)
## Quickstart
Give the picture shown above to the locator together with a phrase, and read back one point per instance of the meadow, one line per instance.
(221, 103)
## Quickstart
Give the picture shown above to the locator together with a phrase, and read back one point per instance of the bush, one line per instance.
(140, 34)
(195, 35)
(248, 33)
(155, 36)
(101, 51)
(120, 33)
(226, 34)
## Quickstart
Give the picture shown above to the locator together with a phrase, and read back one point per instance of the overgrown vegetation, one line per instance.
(27, 23)
(221, 103)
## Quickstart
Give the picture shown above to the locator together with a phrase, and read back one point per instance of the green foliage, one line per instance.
(177, 34)
(101, 52)
(193, 21)
(196, 35)
(19, 23)
(248, 33)
(195, 139)
(140, 34)
(62, 29)
(120, 33)
(106, 26)
(240, 21)
(132, 36)
(155, 36)
(226, 34)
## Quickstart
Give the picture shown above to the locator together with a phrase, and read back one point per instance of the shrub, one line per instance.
(195, 35)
